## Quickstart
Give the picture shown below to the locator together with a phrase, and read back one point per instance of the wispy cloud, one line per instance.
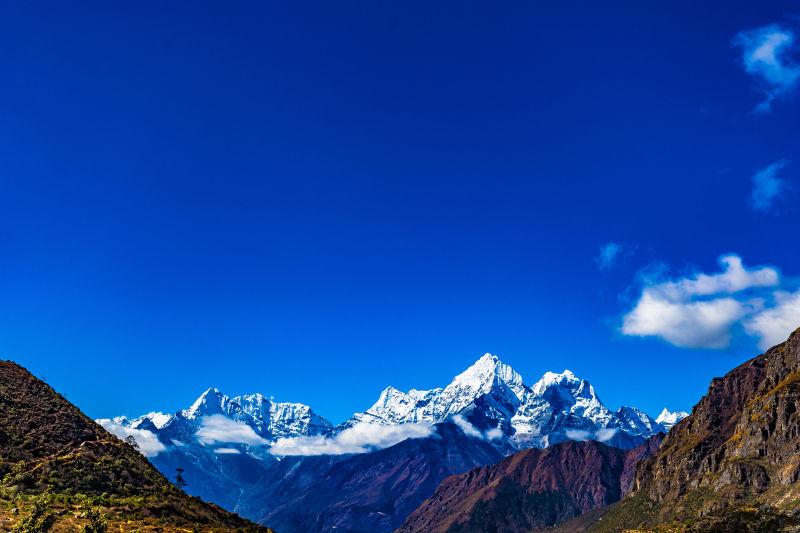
(701, 310)
(227, 451)
(610, 255)
(605, 434)
(577, 434)
(219, 429)
(601, 435)
(766, 55)
(472, 431)
(360, 438)
(148, 443)
(767, 186)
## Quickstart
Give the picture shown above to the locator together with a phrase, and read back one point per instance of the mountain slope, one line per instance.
(364, 492)
(734, 464)
(48, 446)
(529, 490)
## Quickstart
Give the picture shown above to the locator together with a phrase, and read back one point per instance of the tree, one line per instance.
(97, 522)
(132, 441)
(40, 519)
(179, 481)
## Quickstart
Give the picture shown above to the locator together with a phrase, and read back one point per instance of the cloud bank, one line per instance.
(360, 438)
(767, 57)
(148, 443)
(702, 310)
(768, 186)
(219, 429)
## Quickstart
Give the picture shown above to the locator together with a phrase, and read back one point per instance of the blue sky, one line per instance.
(315, 201)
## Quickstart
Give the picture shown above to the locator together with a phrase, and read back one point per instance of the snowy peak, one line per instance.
(487, 373)
(488, 376)
(668, 418)
(637, 422)
(397, 407)
(211, 402)
(551, 379)
(491, 395)
(155, 420)
(269, 419)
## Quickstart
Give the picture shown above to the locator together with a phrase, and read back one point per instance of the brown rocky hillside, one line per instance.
(60, 471)
(734, 464)
(530, 490)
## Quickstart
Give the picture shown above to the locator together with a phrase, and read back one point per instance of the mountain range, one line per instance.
(730, 466)
(232, 448)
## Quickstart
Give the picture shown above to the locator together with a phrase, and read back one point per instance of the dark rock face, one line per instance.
(636, 455)
(532, 489)
(369, 492)
(740, 449)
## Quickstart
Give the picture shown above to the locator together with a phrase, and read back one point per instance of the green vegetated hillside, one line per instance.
(60, 471)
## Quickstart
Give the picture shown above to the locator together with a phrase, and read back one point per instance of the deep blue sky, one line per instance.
(316, 200)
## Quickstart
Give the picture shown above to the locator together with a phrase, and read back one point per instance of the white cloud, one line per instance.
(601, 435)
(704, 310)
(472, 431)
(494, 433)
(227, 451)
(766, 55)
(362, 437)
(148, 443)
(773, 325)
(219, 429)
(734, 278)
(704, 324)
(767, 186)
(609, 255)
(466, 427)
(577, 434)
(605, 434)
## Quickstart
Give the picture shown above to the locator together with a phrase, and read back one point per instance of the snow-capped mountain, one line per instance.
(493, 396)
(486, 378)
(270, 420)
(667, 418)
(223, 443)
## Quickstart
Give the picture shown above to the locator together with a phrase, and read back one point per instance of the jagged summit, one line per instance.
(211, 402)
(668, 418)
(492, 395)
(549, 379)
(488, 369)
